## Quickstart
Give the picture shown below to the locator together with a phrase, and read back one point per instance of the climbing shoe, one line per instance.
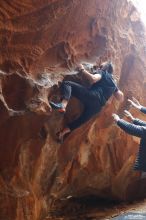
(58, 106)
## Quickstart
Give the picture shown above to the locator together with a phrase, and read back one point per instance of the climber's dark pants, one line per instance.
(89, 98)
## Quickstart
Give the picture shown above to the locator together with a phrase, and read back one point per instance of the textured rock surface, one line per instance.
(40, 42)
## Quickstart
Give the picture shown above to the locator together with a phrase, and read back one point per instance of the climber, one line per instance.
(135, 103)
(102, 86)
(136, 128)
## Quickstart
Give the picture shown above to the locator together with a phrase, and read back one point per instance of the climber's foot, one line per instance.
(59, 106)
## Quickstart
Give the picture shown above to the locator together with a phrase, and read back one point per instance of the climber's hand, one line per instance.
(115, 117)
(128, 114)
(134, 103)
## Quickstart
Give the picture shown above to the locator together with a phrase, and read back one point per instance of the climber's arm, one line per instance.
(92, 78)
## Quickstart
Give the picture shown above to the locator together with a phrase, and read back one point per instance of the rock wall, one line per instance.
(41, 42)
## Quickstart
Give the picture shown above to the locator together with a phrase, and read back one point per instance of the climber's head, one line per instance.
(107, 66)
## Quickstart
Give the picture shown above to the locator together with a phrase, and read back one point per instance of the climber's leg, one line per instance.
(85, 116)
(69, 89)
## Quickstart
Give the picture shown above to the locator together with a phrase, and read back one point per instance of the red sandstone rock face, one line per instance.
(40, 42)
